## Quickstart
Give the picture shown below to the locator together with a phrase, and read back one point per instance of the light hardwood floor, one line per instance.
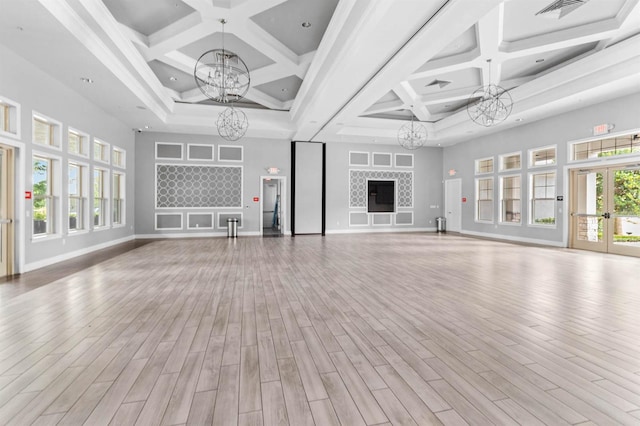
(366, 329)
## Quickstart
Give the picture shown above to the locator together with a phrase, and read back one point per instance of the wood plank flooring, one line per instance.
(401, 329)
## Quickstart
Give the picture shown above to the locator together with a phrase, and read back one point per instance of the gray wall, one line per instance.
(34, 89)
(427, 185)
(259, 154)
(308, 193)
(559, 130)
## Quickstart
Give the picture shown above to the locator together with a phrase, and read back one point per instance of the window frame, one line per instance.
(629, 133)
(502, 209)
(478, 199)
(106, 151)
(104, 221)
(53, 212)
(531, 153)
(119, 164)
(55, 131)
(11, 125)
(118, 201)
(477, 165)
(501, 162)
(84, 143)
(532, 198)
(83, 198)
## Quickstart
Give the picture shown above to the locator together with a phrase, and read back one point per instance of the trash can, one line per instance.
(441, 224)
(232, 227)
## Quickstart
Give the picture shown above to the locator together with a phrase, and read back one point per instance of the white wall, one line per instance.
(35, 90)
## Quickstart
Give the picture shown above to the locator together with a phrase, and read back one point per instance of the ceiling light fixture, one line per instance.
(489, 105)
(223, 77)
(232, 124)
(538, 61)
(172, 78)
(412, 135)
(86, 80)
(306, 24)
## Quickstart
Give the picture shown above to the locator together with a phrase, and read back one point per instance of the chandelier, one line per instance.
(412, 135)
(489, 105)
(221, 75)
(232, 124)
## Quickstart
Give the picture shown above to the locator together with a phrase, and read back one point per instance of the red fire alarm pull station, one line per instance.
(28, 195)
(256, 199)
(464, 199)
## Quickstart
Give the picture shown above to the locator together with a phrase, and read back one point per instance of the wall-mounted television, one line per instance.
(381, 196)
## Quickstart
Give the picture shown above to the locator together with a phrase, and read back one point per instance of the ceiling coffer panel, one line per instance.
(147, 17)
(252, 57)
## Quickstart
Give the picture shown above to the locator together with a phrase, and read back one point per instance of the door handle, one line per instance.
(607, 215)
(5, 221)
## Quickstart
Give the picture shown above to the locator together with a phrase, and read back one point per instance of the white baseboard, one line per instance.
(195, 235)
(514, 239)
(50, 261)
(375, 230)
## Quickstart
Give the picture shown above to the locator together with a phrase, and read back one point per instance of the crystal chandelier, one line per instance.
(412, 135)
(232, 124)
(489, 105)
(221, 75)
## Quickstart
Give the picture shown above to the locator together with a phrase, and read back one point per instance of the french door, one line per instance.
(605, 204)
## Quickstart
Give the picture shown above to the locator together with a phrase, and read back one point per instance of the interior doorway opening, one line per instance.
(272, 202)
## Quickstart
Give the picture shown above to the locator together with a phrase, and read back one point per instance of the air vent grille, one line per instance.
(561, 8)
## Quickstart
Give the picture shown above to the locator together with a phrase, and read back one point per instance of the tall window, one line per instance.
(543, 193)
(46, 131)
(99, 198)
(511, 203)
(118, 199)
(77, 143)
(43, 199)
(484, 200)
(100, 151)
(77, 201)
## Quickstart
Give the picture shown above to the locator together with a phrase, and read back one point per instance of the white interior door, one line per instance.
(453, 204)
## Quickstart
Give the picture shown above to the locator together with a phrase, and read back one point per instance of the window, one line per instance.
(621, 145)
(100, 151)
(77, 197)
(511, 203)
(100, 179)
(543, 194)
(510, 161)
(484, 200)
(9, 117)
(118, 199)
(43, 196)
(77, 143)
(46, 131)
(542, 156)
(118, 159)
(484, 165)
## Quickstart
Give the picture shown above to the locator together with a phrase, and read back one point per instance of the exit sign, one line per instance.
(602, 129)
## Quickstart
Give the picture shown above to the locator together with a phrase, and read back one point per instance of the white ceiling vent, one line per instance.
(561, 8)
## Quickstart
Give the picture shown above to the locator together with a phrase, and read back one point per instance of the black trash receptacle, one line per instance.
(232, 227)
(441, 224)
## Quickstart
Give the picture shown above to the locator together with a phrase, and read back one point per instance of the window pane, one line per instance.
(42, 132)
(543, 157)
(41, 191)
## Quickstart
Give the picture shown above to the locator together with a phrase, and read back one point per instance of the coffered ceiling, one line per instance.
(333, 70)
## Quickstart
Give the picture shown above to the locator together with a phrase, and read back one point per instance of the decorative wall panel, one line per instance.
(358, 186)
(187, 186)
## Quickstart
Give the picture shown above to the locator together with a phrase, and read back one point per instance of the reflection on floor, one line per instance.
(271, 232)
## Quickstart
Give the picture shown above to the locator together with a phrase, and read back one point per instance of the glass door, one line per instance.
(588, 211)
(606, 209)
(625, 210)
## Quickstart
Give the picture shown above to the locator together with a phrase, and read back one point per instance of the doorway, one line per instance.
(6, 210)
(605, 209)
(272, 204)
(453, 204)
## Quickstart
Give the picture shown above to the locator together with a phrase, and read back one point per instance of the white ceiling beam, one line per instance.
(385, 107)
(410, 98)
(490, 34)
(136, 38)
(255, 36)
(181, 33)
(447, 65)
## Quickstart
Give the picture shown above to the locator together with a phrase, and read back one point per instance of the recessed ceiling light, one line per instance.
(447, 106)
(19, 28)
(147, 126)
(519, 119)
(141, 107)
(306, 24)
(285, 89)
(539, 60)
(86, 80)
(172, 78)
